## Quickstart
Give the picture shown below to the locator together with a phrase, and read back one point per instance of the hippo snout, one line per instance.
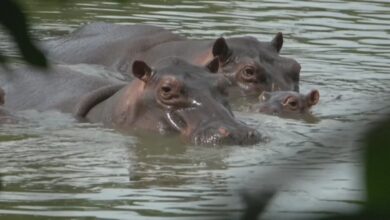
(216, 134)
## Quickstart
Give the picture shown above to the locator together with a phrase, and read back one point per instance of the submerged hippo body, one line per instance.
(5, 115)
(286, 103)
(175, 97)
(107, 44)
(251, 65)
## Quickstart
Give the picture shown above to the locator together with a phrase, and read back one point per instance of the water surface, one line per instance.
(53, 166)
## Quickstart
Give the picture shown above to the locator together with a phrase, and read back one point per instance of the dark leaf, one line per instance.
(12, 18)
(377, 158)
(256, 203)
(2, 59)
(377, 174)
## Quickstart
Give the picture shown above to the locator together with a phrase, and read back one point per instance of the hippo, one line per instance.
(252, 66)
(173, 97)
(286, 103)
(5, 116)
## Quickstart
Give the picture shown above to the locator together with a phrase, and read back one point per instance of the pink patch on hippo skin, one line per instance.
(313, 97)
(223, 132)
(204, 58)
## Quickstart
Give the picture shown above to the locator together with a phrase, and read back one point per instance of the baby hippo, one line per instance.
(286, 103)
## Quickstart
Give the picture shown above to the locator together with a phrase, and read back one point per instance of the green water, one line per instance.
(54, 167)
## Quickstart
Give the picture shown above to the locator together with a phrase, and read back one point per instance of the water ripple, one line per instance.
(54, 166)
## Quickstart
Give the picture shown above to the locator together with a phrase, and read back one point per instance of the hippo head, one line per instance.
(287, 103)
(256, 66)
(177, 97)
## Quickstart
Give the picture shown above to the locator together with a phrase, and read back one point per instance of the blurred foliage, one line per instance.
(376, 156)
(256, 203)
(377, 147)
(13, 20)
(377, 174)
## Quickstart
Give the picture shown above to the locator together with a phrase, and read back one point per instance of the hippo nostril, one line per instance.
(253, 136)
(223, 132)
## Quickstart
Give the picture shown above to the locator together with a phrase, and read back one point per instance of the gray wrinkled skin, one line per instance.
(251, 65)
(174, 98)
(5, 116)
(286, 103)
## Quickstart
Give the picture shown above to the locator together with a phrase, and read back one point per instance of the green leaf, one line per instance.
(13, 19)
(377, 158)
(2, 59)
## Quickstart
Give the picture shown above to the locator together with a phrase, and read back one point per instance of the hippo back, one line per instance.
(59, 87)
(107, 44)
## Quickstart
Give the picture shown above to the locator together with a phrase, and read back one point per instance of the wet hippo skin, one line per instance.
(5, 116)
(251, 65)
(286, 103)
(173, 98)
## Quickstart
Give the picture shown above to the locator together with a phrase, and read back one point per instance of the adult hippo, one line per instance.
(174, 97)
(286, 103)
(251, 65)
(6, 117)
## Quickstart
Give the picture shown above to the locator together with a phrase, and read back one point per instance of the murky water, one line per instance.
(52, 166)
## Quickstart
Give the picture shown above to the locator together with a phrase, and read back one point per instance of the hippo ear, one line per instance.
(221, 49)
(277, 42)
(313, 97)
(141, 70)
(264, 96)
(213, 65)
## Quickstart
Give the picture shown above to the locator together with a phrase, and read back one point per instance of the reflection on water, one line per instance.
(53, 166)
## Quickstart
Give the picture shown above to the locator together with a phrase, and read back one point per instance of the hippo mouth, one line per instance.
(216, 134)
(222, 137)
(211, 133)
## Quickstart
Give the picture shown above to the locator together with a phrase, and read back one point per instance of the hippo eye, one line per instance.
(251, 74)
(166, 89)
(249, 71)
(171, 93)
(293, 104)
